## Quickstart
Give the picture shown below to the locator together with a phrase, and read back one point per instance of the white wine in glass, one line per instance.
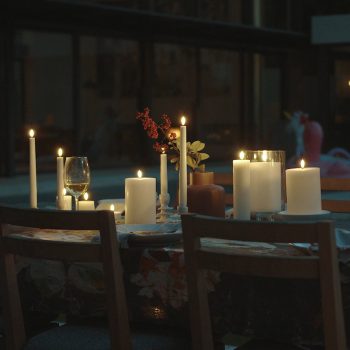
(76, 177)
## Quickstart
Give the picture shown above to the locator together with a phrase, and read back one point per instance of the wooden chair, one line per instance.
(106, 252)
(323, 267)
(336, 184)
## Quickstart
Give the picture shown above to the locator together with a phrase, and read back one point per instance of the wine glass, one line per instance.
(76, 177)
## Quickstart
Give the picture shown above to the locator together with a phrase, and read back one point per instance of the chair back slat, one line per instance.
(52, 250)
(200, 256)
(305, 232)
(105, 251)
(66, 220)
(341, 205)
(305, 267)
(335, 184)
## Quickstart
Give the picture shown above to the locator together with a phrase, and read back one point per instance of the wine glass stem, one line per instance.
(76, 203)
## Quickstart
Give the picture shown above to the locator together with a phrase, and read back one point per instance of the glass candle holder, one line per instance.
(267, 181)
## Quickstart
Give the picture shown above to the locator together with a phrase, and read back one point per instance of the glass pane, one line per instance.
(43, 77)
(109, 86)
(269, 112)
(222, 10)
(220, 99)
(342, 85)
(174, 82)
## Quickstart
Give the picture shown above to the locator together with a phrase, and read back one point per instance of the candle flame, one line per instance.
(254, 155)
(60, 152)
(86, 196)
(241, 155)
(163, 150)
(31, 133)
(64, 191)
(302, 164)
(183, 120)
(111, 207)
(264, 156)
(139, 173)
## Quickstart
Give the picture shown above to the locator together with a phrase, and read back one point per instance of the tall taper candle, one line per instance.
(183, 168)
(163, 174)
(241, 188)
(32, 171)
(60, 186)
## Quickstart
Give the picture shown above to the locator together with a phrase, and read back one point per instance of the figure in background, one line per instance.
(335, 163)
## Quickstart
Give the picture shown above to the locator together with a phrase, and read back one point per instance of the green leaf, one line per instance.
(203, 156)
(191, 162)
(197, 146)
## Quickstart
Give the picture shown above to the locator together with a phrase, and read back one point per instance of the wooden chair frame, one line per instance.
(106, 252)
(336, 184)
(323, 267)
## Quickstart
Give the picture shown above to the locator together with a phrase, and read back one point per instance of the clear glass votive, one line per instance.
(267, 182)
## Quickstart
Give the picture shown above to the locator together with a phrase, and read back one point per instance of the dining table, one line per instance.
(155, 282)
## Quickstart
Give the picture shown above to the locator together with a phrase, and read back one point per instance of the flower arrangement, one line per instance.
(165, 140)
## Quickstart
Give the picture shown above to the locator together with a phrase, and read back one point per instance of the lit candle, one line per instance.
(163, 174)
(241, 188)
(265, 185)
(60, 186)
(140, 200)
(32, 170)
(303, 190)
(183, 168)
(67, 200)
(86, 204)
(117, 214)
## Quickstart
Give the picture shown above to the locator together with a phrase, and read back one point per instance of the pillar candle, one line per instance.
(303, 190)
(265, 186)
(60, 186)
(32, 171)
(163, 174)
(140, 200)
(241, 188)
(183, 168)
(86, 204)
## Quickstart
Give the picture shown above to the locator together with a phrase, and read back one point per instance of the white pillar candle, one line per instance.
(32, 171)
(265, 185)
(241, 188)
(163, 174)
(140, 200)
(183, 168)
(303, 190)
(60, 186)
(86, 204)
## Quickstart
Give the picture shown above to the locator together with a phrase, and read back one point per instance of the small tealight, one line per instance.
(117, 214)
(67, 201)
(86, 204)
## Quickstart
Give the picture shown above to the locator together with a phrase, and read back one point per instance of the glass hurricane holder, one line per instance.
(267, 183)
(76, 177)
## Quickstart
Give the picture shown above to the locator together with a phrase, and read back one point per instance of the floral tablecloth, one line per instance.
(157, 292)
